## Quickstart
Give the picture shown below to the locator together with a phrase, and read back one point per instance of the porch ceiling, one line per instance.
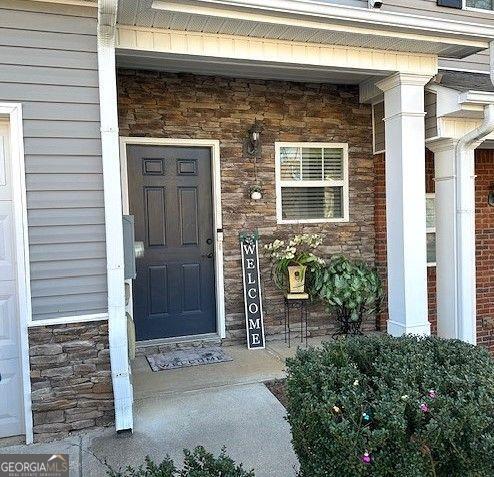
(194, 16)
(239, 69)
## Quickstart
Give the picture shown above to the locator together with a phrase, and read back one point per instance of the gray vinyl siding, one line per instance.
(429, 8)
(48, 62)
(379, 127)
(431, 114)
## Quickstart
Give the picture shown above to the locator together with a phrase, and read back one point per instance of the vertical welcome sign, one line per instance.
(254, 320)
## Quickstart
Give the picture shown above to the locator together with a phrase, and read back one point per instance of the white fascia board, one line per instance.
(472, 34)
(453, 103)
(78, 3)
(447, 100)
(476, 97)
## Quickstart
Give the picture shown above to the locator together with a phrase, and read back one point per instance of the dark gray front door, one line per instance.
(170, 197)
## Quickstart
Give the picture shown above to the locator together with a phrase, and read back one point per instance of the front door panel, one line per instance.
(11, 396)
(170, 196)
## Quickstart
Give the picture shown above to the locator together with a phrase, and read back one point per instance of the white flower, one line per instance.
(356, 383)
(404, 397)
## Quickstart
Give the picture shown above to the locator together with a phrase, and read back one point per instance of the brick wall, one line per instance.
(70, 378)
(484, 169)
(155, 104)
(484, 216)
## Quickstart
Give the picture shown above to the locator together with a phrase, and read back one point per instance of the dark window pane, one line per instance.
(431, 247)
(302, 203)
(290, 163)
(484, 4)
(312, 164)
(333, 164)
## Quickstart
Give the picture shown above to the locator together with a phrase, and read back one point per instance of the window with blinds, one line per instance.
(480, 4)
(430, 208)
(312, 182)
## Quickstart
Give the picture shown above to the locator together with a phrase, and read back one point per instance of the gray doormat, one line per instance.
(185, 358)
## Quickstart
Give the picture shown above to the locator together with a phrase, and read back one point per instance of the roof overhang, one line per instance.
(234, 55)
(460, 104)
(314, 21)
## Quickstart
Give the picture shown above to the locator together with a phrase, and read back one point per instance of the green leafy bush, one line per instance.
(351, 289)
(383, 406)
(198, 463)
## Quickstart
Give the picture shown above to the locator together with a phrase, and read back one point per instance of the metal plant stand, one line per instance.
(298, 301)
(348, 327)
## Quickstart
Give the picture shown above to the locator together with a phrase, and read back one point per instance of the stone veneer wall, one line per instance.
(154, 104)
(70, 378)
(484, 216)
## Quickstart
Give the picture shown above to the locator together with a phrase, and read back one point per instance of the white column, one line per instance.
(465, 236)
(405, 203)
(455, 239)
(445, 190)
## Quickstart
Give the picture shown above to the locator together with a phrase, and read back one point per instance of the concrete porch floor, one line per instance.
(247, 367)
(217, 405)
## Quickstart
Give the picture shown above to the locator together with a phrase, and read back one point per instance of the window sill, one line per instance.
(478, 10)
(313, 221)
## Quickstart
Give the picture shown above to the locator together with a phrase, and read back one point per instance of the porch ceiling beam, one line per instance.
(210, 45)
(294, 12)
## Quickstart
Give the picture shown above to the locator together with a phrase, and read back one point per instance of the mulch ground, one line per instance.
(278, 388)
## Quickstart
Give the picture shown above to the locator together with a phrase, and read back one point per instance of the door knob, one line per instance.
(207, 255)
(209, 241)
(139, 249)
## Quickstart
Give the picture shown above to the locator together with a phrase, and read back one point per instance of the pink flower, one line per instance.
(366, 458)
(424, 407)
(432, 394)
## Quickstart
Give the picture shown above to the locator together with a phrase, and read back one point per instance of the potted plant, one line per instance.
(291, 261)
(351, 289)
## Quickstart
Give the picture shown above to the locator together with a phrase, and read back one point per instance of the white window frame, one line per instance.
(473, 9)
(431, 230)
(326, 183)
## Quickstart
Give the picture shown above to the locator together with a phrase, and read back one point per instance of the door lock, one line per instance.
(207, 255)
(209, 241)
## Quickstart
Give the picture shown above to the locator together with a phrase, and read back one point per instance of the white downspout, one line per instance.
(117, 321)
(465, 221)
(492, 60)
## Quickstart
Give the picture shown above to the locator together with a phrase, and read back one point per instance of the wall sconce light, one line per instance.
(490, 197)
(256, 192)
(254, 139)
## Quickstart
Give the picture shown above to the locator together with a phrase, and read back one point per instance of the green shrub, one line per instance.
(383, 406)
(349, 288)
(197, 463)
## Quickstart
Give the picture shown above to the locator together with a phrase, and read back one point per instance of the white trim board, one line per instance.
(117, 330)
(324, 12)
(214, 47)
(65, 320)
(13, 113)
(78, 3)
(462, 70)
(214, 145)
(475, 9)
